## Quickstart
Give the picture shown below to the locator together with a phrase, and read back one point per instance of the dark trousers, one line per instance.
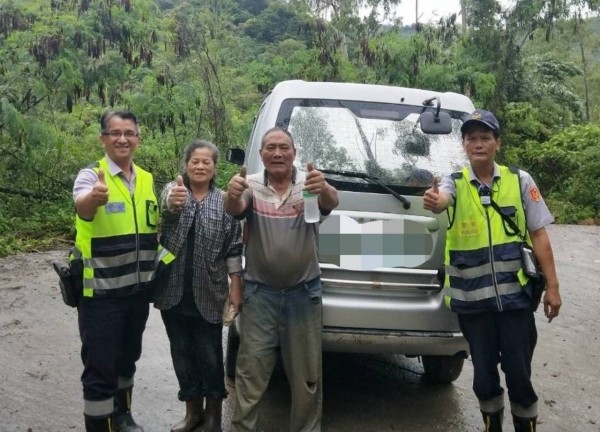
(508, 338)
(111, 335)
(197, 353)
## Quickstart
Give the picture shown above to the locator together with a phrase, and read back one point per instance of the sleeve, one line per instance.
(234, 245)
(84, 182)
(448, 186)
(537, 213)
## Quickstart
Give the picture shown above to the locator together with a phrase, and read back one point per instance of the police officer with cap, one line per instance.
(494, 212)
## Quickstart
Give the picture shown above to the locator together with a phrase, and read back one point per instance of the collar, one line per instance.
(294, 175)
(475, 179)
(115, 169)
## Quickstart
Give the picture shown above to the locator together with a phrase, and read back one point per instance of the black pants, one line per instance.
(197, 353)
(508, 338)
(111, 334)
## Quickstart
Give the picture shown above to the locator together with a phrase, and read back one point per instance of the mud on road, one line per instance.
(40, 364)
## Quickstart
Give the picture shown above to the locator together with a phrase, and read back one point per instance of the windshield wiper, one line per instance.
(372, 180)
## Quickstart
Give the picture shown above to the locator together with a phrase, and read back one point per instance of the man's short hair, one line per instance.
(276, 129)
(107, 116)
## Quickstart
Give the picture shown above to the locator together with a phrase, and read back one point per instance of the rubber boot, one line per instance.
(194, 416)
(212, 420)
(122, 419)
(493, 421)
(524, 424)
(97, 424)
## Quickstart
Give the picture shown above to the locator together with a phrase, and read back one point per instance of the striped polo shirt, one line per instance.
(281, 248)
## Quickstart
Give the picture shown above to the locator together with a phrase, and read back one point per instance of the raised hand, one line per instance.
(431, 197)
(237, 185)
(315, 180)
(100, 190)
(179, 194)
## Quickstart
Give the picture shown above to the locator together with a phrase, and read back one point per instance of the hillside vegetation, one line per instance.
(199, 68)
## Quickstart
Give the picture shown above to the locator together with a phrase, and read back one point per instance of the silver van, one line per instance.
(380, 251)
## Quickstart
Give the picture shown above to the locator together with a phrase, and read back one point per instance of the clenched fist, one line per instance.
(100, 190)
(237, 185)
(431, 197)
(179, 194)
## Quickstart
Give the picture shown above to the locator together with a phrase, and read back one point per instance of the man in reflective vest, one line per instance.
(485, 282)
(116, 240)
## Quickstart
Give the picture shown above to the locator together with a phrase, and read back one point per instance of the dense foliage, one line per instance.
(199, 68)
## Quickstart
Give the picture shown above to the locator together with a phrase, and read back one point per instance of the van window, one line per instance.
(380, 140)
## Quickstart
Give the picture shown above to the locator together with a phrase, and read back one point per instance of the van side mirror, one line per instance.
(439, 123)
(236, 156)
(435, 123)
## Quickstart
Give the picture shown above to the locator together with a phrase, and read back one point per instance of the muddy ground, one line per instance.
(40, 364)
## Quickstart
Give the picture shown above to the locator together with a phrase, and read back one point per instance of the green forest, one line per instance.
(200, 68)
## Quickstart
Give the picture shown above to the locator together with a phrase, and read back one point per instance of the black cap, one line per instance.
(483, 117)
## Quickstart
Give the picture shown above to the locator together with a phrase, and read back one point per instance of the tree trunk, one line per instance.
(417, 15)
(578, 23)
(463, 14)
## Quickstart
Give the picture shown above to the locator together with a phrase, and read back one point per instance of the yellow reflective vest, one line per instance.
(119, 246)
(483, 256)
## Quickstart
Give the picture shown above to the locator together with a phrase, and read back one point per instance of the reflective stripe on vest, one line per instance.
(163, 259)
(119, 246)
(483, 258)
(164, 256)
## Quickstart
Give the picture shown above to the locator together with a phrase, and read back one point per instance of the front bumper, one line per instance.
(409, 343)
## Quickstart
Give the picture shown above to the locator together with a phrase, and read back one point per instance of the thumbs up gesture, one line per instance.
(179, 194)
(237, 185)
(436, 185)
(315, 180)
(432, 199)
(100, 190)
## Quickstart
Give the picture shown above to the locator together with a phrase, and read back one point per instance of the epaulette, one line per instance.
(513, 169)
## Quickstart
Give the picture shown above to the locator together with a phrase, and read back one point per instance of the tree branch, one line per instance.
(23, 193)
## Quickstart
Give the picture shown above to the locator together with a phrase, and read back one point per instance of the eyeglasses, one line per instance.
(117, 134)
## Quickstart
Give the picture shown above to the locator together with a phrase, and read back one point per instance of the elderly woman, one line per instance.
(207, 245)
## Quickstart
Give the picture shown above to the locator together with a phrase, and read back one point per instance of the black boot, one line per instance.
(194, 416)
(212, 421)
(122, 420)
(97, 424)
(493, 421)
(524, 424)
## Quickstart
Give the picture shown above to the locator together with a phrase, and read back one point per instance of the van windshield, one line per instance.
(383, 141)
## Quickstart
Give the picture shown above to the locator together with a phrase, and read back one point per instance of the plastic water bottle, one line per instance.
(311, 207)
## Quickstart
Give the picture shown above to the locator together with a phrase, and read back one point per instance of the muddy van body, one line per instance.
(379, 250)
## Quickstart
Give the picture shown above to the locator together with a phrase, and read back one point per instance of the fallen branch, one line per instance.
(23, 193)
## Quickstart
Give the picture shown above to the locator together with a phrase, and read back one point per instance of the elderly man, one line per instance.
(282, 289)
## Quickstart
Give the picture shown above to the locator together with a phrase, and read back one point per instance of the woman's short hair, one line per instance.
(191, 148)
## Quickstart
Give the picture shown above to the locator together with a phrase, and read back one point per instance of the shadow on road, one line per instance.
(373, 393)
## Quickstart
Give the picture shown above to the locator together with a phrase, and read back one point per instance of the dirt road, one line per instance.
(40, 364)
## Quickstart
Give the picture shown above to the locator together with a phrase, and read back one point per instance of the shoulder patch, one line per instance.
(534, 193)
(457, 175)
